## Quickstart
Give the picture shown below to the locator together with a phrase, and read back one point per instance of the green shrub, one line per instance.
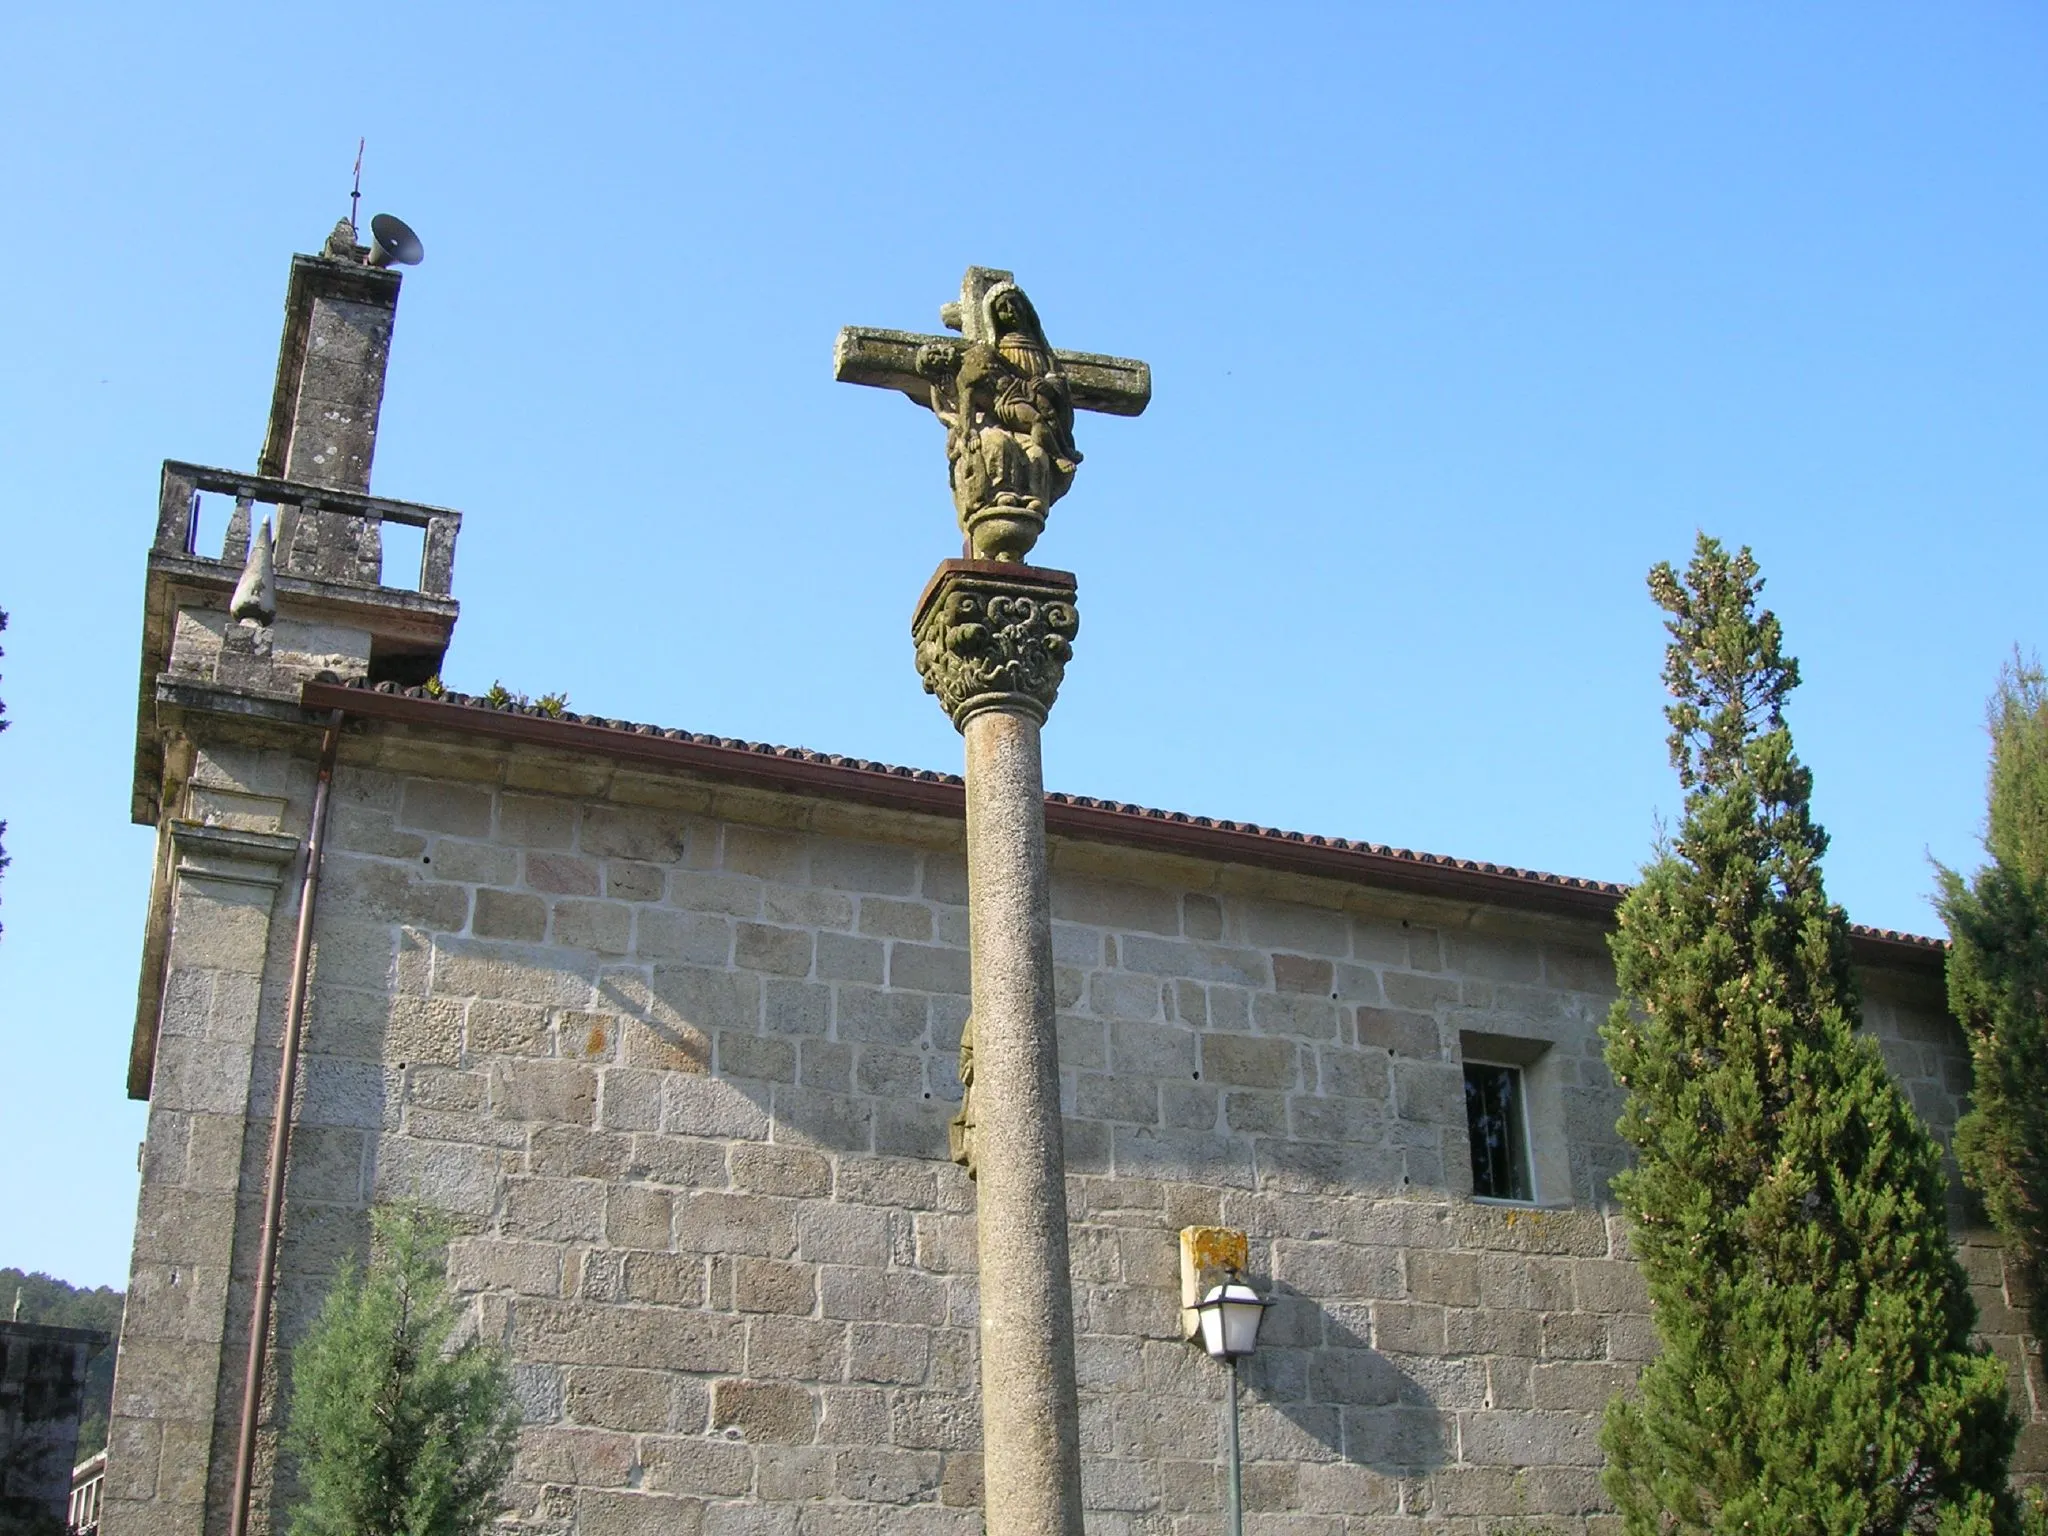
(397, 1431)
(1788, 1208)
(1998, 984)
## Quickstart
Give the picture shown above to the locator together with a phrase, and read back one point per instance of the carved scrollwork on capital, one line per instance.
(988, 641)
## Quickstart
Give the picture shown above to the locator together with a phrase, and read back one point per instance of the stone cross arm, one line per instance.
(1116, 386)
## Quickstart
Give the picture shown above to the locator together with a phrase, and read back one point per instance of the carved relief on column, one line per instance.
(995, 635)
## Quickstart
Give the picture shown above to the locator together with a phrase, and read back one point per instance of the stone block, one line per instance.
(1574, 1336)
(626, 880)
(1300, 973)
(1197, 962)
(711, 891)
(825, 1065)
(1531, 1438)
(934, 1421)
(765, 1412)
(456, 1179)
(842, 957)
(1405, 1328)
(1336, 1488)
(693, 937)
(1289, 1013)
(1429, 1092)
(702, 998)
(664, 1047)
(928, 968)
(1117, 995)
(603, 926)
(652, 1338)
(839, 1233)
(763, 1058)
(888, 1354)
(1152, 1050)
(713, 1222)
(1609, 1285)
(1182, 1156)
(791, 1007)
(517, 973)
(1449, 1278)
(771, 1285)
(436, 806)
(1335, 1120)
(473, 863)
(785, 1348)
(515, 1029)
(1399, 1032)
(772, 1170)
(1418, 994)
(779, 951)
(551, 1092)
(889, 919)
(871, 1295)
(554, 1210)
(1255, 1113)
(562, 874)
(867, 867)
(806, 1116)
(1249, 1062)
(635, 832)
(668, 1279)
(590, 1458)
(876, 1475)
(610, 1397)
(638, 1216)
(536, 821)
(694, 1464)
(865, 1015)
(1338, 1271)
(1115, 904)
(601, 1513)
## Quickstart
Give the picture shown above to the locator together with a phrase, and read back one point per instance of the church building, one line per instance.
(668, 1027)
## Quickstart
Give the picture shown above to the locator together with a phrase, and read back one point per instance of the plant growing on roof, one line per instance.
(1787, 1206)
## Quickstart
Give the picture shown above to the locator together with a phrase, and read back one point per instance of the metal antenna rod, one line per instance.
(355, 196)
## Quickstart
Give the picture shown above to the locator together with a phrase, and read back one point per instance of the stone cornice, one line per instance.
(231, 854)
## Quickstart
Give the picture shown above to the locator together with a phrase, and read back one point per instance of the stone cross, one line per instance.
(993, 639)
(1007, 400)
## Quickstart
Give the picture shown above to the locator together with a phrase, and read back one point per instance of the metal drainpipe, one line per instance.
(281, 1135)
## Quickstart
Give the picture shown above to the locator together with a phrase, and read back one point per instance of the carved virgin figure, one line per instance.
(1009, 416)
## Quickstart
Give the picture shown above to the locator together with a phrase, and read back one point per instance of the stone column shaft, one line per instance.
(1031, 1465)
(993, 638)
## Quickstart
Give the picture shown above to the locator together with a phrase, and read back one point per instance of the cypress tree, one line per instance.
(1998, 984)
(395, 1432)
(1787, 1207)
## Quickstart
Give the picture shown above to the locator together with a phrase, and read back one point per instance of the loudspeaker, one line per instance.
(392, 242)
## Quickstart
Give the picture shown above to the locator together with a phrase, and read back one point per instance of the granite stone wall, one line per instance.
(679, 1059)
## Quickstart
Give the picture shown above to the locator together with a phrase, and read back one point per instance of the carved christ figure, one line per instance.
(1009, 416)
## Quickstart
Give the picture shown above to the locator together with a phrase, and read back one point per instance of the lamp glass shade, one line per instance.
(1230, 1320)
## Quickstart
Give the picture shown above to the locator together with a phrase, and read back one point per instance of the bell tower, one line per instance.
(259, 581)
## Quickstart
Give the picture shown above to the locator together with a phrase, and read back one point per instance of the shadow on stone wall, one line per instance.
(1317, 1379)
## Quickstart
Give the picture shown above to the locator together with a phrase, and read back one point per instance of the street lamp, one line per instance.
(1230, 1317)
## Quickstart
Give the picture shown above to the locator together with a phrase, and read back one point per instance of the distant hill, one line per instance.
(45, 1300)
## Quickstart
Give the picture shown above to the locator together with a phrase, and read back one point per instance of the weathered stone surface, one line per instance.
(707, 1165)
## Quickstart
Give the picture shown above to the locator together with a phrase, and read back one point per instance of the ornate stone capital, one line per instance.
(995, 635)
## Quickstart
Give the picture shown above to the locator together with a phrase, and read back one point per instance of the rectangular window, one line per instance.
(1496, 1116)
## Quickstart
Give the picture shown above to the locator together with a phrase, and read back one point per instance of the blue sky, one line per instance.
(1459, 317)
